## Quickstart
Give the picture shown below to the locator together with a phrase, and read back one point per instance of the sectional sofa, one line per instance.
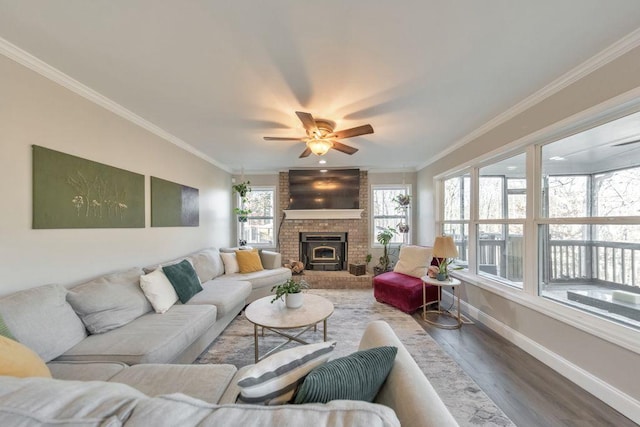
(110, 319)
(134, 368)
(111, 393)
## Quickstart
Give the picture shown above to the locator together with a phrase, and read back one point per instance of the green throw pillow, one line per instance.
(4, 330)
(184, 280)
(358, 376)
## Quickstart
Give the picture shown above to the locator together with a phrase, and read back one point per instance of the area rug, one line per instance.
(353, 310)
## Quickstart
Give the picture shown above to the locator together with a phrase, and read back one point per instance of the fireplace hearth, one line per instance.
(324, 251)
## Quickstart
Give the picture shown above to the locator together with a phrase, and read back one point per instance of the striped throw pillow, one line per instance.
(274, 380)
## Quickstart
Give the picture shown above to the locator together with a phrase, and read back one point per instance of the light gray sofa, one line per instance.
(110, 319)
(113, 393)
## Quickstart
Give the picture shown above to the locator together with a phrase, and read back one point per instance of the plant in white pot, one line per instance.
(291, 290)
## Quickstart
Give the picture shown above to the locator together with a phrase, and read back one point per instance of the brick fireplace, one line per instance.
(357, 230)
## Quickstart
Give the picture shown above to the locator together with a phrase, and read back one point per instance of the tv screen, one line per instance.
(334, 189)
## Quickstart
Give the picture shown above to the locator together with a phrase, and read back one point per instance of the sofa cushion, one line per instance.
(85, 371)
(230, 262)
(224, 294)
(208, 264)
(181, 410)
(357, 376)
(151, 338)
(414, 260)
(110, 301)
(274, 380)
(249, 261)
(205, 382)
(158, 290)
(41, 319)
(16, 360)
(184, 279)
(43, 401)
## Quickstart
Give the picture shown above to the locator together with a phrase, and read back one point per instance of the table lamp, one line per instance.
(445, 250)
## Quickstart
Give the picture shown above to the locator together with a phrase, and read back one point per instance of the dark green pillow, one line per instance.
(4, 330)
(184, 280)
(358, 376)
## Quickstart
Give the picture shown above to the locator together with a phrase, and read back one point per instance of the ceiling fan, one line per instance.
(321, 136)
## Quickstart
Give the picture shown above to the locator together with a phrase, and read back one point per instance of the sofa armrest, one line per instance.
(407, 391)
(270, 260)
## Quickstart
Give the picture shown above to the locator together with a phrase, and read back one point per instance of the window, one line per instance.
(579, 225)
(257, 230)
(387, 212)
(502, 203)
(588, 241)
(457, 205)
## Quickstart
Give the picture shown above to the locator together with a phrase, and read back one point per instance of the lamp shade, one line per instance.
(319, 146)
(445, 247)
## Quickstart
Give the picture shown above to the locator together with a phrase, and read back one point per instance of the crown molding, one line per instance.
(26, 59)
(616, 50)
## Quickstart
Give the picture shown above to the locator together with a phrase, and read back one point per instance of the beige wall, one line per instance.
(611, 363)
(34, 110)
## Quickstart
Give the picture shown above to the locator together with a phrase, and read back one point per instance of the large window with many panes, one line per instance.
(557, 220)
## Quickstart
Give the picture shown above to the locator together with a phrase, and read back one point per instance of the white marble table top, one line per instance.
(314, 309)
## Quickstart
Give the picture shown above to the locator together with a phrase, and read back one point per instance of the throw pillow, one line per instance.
(184, 280)
(16, 360)
(4, 330)
(230, 262)
(249, 261)
(358, 376)
(158, 290)
(273, 380)
(414, 260)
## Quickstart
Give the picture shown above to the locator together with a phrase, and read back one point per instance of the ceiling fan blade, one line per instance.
(305, 153)
(343, 147)
(307, 121)
(277, 138)
(356, 131)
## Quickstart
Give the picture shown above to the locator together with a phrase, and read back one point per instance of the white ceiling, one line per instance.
(220, 75)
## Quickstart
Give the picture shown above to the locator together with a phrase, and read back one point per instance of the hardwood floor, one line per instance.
(529, 392)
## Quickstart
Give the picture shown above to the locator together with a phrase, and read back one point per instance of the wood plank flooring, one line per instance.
(529, 392)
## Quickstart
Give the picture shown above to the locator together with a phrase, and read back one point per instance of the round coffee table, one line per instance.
(278, 318)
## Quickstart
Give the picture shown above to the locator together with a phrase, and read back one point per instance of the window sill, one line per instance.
(614, 333)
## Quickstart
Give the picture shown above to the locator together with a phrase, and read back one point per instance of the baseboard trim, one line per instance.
(620, 401)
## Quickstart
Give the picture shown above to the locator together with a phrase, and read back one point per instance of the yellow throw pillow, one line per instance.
(249, 261)
(16, 360)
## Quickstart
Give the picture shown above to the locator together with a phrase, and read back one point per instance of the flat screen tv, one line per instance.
(333, 189)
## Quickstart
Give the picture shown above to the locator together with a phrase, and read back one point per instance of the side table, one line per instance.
(454, 284)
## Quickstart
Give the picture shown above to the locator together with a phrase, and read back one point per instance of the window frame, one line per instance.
(240, 225)
(608, 330)
(408, 217)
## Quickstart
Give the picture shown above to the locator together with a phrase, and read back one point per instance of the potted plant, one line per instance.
(292, 291)
(403, 200)
(242, 189)
(384, 237)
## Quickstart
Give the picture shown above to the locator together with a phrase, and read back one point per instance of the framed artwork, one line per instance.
(72, 192)
(174, 205)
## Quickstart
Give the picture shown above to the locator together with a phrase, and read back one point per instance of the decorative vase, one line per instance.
(441, 277)
(293, 300)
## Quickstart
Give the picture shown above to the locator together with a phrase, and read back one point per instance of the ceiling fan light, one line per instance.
(319, 147)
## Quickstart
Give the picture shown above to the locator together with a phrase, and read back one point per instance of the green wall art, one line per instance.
(173, 205)
(72, 192)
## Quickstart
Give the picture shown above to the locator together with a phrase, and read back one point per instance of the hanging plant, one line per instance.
(242, 188)
(403, 200)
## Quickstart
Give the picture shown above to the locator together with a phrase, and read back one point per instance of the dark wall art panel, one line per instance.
(72, 192)
(173, 205)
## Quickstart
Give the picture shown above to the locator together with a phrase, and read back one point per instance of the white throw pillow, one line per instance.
(414, 260)
(158, 290)
(230, 262)
(274, 380)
